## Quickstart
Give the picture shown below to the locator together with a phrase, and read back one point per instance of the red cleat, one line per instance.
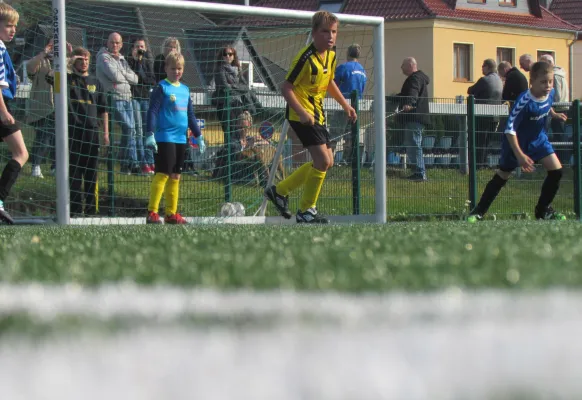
(175, 219)
(153, 218)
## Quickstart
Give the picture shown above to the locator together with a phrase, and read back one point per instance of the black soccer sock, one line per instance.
(549, 189)
(489, 194)
(8, 178)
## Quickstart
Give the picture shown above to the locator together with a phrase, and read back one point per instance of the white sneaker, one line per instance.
(36, 172)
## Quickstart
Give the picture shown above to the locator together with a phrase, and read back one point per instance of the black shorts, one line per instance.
(170, 158)
(7, 130)
(311, 135)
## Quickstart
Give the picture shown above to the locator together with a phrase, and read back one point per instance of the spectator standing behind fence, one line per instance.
(41, 112)
(487, 90)
(116, 77)
(525, 62)
(170, 44)
(10, 131)
(502, 69)
(414, 115)
(515, 84)
(562, 93)
(349, 76)
(142, 64)
(228, 76)
(87, 110)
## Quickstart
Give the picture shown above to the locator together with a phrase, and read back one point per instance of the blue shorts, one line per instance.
(536, 150)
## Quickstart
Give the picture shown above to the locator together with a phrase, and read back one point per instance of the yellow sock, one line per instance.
(296, 179)
(156, 191)
(313, 186)
(96, 196)
(171, 195)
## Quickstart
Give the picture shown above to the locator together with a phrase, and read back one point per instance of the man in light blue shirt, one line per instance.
(349, 76)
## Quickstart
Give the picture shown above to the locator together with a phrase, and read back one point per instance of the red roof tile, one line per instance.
(569, 10)
(389, 9)
(547, 21)
(393, 10)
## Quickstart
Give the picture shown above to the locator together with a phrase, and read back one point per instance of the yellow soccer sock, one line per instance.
(313, 186)
(156, 191)
(296, 179)
(171, 195)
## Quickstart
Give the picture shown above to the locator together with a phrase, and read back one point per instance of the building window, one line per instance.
(462, 60)
(506, 54)
(248, 73)
(508, 3)
(550, 52)
(333, 6)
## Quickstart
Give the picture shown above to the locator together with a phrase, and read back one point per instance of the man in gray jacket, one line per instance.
(561, 95)
(116, 76)
(487, 90)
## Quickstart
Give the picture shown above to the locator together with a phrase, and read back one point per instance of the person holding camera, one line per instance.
(41, 108)
(141, 63)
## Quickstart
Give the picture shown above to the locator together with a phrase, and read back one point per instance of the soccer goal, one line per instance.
(249, 144)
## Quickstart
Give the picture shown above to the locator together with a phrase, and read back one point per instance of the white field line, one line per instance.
(448, 345)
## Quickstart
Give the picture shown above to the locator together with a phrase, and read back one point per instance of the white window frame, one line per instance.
(553, 52)
(471, 62)
(251, 73)
(323, 3)
(513, 59)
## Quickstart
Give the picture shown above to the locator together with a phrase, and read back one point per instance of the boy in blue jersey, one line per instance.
(525, 142)
(9, 129)
(349, 76)
(170, 115)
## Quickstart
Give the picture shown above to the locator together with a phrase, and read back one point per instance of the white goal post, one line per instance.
(61, 117)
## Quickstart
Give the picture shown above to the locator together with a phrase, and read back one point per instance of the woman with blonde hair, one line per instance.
(170, 44)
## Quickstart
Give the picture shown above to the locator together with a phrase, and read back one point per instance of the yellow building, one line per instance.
(571, 11)
(451, 38)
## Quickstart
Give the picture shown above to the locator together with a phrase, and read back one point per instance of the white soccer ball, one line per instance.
(239, 209)
(227, 210)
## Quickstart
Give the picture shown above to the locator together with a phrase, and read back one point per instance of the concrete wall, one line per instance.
(408, 39)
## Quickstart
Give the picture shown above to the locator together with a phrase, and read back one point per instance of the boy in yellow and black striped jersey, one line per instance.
(308, 81)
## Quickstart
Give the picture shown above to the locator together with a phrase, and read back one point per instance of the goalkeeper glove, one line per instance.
(151, 142)
(201, 144)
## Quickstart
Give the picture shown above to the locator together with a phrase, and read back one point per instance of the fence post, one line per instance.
(463, 158)
(472, 151)
(228, 183)
(111, 158)
(576, 120)
(356, 165)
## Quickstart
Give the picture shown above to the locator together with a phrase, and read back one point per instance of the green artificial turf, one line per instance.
(354, 258)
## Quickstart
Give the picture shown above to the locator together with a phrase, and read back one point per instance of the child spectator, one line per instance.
(87, 108)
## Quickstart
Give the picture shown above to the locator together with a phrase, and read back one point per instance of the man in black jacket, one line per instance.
(414, 115)
(515, 84)
(142, 64)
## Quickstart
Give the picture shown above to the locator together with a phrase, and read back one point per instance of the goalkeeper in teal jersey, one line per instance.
(170, 115)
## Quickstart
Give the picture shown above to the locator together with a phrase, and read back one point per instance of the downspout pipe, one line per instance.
(571, 48)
